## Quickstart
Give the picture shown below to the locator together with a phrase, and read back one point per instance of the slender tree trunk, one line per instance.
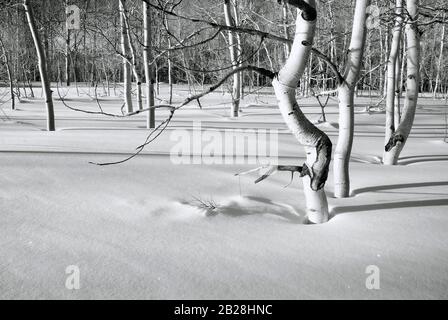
(67, 54)
(403, 63)
(397, 107)
(285, 21)
(233, 48)
(382, 55)
(317, 144)
(170, 75)
(170, 67)
(439, 62)
(149, 72)
(333, 43)
(127, 76)
(236, 13)
(45, 37)
(10, 77)
(346, 92)
(397, 141)
(386, 59)
(391, 73)
(42, 65)
(133, 60)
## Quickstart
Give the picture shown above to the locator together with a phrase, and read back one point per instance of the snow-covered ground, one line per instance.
(135, 230)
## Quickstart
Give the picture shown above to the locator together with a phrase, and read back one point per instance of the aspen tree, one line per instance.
(317, 144)
(346, 95)
(127, 76)
(42, 65)
(149, 72)
(398, 139)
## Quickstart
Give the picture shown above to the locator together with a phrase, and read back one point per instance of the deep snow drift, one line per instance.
(136, 230)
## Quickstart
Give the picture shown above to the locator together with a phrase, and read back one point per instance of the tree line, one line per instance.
(392, 50)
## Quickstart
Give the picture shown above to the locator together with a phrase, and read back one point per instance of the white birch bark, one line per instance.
(42, 65)
(236, 12)
(10, 77)
(127, 76)
(346, 91)
(67, 54)
(317, 144)
(149, 71)
(286, 28)
(233, 48)
(133, 61)
(391, 73)
(397, 141)
(397, 106)
(170, 68)
(439, 62)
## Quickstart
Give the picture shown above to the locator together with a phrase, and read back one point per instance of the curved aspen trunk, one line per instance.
(149, 71)
(233, 48)
(346, 93)
(397, 141)
(127, 75)
(42, 66)
(317, 144)
(391, 74)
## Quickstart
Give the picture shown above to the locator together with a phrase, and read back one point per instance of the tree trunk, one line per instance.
(233, 48)
(10, 77)
(42, 65)
(67, 54)
(125, 50)
(236, 12)
(397, 107)
(397, 141)
(439, 62)
(133, 61)
(317, 144)
(286, 28)
(346, 92)
(149, 72)
(391, 73)
(170, 68)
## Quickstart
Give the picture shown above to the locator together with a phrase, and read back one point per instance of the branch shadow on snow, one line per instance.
(262, 205)
(254, 205)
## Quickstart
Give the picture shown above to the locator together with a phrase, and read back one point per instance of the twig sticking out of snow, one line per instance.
(210, 206)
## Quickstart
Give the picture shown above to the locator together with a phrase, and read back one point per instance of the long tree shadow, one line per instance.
(399, 186)
(418, 159)
(392, 205)
(424, 156)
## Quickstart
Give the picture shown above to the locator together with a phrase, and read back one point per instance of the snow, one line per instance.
(136, 231)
